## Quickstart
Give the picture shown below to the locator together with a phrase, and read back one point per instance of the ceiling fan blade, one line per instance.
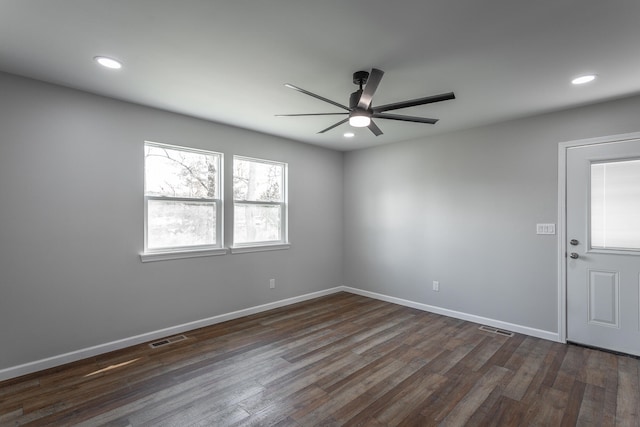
(414, 102)
(321, 98)
(311, 114)
(372, 84)
(405, 118)
(375, 129)
(334, 126)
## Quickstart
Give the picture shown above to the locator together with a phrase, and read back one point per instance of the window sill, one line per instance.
(163, 256)
(259, 248)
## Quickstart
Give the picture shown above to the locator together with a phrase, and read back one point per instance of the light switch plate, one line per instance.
(545, 229)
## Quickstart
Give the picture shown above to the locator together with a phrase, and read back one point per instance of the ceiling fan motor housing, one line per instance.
(360, 78)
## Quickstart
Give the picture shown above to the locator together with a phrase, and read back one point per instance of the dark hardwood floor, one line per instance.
(337, 360)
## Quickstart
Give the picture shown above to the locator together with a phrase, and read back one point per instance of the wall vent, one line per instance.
(167, 341)
(496, 331)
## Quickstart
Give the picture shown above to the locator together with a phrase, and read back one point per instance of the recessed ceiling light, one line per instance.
(108, 62)
(583, 79)
(349, 135)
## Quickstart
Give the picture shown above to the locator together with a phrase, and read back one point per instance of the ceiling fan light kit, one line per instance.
(359, 119)
(360, 111)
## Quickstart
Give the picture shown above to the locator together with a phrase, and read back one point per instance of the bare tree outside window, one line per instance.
(182, 197)
(259, 201)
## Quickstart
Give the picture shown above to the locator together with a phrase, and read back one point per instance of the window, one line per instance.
(259, 202)
(615, 205)
(182, 202)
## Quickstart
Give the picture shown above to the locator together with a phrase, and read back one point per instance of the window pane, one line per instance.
(180, 173)
(256, 223)
(615, 205)
(257, 181)
(178, 224)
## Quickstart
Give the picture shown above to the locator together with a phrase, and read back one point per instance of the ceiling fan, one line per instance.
(360, 110)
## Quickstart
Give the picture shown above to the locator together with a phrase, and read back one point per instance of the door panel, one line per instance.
(604, 288)
(603, 263)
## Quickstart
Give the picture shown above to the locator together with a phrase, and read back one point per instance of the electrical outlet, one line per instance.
(272, 283)
(436, 286)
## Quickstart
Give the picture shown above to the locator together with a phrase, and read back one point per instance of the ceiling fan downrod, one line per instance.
(359, 78)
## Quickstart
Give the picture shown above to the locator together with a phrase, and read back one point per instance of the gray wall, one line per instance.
(71, 218)
(462, 208)
(459, 208)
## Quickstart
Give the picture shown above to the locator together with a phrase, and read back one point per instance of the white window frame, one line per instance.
(283, 242)
(191, 251)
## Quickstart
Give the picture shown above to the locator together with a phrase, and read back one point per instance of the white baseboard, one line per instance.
(538, 333)
(50, 362)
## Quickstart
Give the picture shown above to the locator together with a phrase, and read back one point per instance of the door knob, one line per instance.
(574, 242)
(574, 255)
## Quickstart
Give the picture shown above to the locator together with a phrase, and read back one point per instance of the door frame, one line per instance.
(563, 147)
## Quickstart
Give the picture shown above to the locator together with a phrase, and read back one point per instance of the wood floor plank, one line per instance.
(9, 415)
(501, 357)
(341, 359)
(383, 337)
(572, 410)
(549, 409)
(530, 358)
(570, 368)
(442, 406)
(398, 392)
(214, 394)
(323, 365)
(219, 406)
(595, 368)
(505, 412)
(269, 408)
(483, 352)
(592, 406)
(316, 412)
(482, 413)
(557, 353)
(465, 408)
(408, 397)
(628, 404)
(357, 409)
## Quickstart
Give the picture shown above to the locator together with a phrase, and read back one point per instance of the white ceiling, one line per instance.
(227, 60)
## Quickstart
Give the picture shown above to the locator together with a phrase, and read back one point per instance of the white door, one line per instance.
(603, 245)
